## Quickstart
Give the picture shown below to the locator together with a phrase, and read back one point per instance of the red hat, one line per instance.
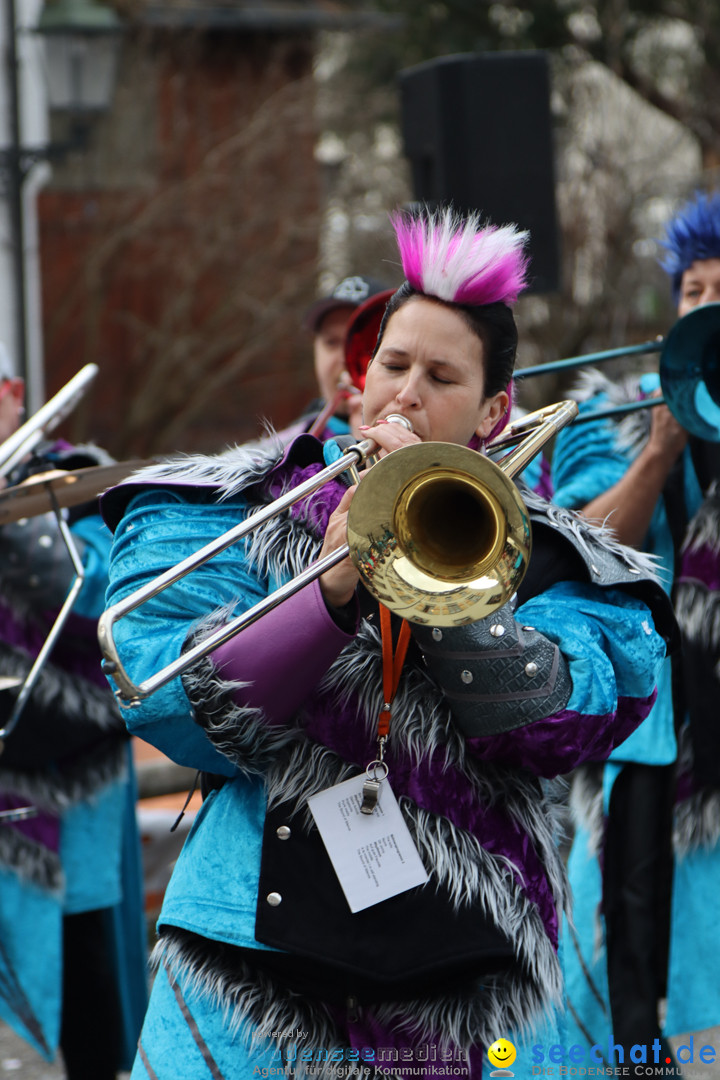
(362, 333)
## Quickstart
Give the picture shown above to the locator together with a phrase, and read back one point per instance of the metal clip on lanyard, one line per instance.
(377, 770)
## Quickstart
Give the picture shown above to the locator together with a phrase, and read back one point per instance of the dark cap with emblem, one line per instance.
(349, 293)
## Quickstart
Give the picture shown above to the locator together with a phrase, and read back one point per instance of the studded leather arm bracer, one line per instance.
(496, 674)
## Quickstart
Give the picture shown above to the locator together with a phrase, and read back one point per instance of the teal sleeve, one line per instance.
(585, 460)
(607, 638)
(95, 541)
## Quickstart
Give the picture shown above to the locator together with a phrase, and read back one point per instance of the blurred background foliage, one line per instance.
(635, 104)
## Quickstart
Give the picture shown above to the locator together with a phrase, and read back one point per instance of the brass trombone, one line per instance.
(438, 533)
(689, 373)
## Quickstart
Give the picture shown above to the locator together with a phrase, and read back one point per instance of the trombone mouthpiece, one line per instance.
(396, 418)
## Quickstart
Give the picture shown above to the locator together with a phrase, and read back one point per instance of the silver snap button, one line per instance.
(466, 676)
(437, 634)
(531, 669)
(283, 833)
(274, 899)
(497, 630)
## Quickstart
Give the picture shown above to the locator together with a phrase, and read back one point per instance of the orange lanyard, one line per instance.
(377, 770)
(392, 668)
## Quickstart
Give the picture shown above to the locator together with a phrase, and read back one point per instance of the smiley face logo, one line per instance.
(502, 1053)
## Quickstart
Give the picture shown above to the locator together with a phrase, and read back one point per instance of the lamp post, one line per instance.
(81, 40)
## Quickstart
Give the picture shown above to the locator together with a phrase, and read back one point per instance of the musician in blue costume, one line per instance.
(72, 938)
(656, 488)
(260, 962)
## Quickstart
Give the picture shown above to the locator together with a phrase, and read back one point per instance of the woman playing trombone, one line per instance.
(262, 963)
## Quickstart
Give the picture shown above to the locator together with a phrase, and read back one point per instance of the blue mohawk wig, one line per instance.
(693, 234)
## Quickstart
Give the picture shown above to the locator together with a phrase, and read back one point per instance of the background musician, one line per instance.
(327, 321)
(656, 488)
(72, 948)
(260, 960)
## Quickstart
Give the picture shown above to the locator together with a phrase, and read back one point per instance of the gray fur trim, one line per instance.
(586, 803)
(231, 471)
(697, 823)
(250, 1002)
(71, 699)
(698, 613)
(241, 734)
(704, 529)
(515, 1001)
(68, 695)
(591, 538)
(31, 861)
(421, 718)
(309, 769)
(57, 791)
(422, 725)
(254, 1004)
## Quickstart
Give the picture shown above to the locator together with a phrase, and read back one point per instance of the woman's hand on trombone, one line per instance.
(338, 584)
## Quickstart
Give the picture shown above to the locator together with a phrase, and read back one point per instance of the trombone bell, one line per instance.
(439, 534)
(690, 371)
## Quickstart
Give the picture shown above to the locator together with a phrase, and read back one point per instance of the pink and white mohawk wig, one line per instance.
(460, 261)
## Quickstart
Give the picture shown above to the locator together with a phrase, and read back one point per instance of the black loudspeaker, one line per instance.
(478, 132)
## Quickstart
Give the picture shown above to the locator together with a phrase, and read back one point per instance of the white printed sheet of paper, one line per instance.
(373, 855)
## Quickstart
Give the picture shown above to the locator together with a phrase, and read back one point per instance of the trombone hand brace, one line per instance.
(496, 674)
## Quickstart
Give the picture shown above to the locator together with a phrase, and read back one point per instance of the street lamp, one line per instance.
(82, 40)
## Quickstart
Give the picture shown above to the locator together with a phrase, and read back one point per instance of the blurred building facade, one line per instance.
(180, 250)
